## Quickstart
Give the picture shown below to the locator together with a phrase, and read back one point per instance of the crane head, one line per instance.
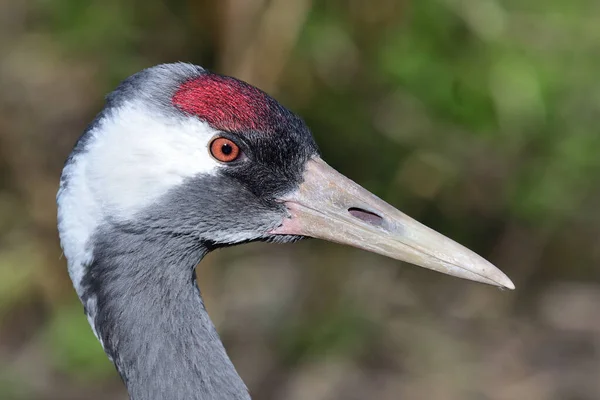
(185, 152)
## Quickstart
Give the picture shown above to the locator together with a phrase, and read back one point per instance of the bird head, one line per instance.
(188, 153)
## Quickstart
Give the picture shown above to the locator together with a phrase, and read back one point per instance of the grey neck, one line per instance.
(152, 321)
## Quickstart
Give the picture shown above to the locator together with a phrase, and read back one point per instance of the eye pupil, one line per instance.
(226, 149)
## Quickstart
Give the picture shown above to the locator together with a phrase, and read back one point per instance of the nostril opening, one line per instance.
(366, 216)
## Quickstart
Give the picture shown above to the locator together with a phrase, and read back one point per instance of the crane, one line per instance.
(182, 161)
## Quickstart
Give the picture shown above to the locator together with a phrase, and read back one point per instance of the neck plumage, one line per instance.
(142, 297)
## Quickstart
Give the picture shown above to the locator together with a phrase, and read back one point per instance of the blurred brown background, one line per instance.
(480, 118)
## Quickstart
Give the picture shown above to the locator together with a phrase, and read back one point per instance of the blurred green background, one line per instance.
(479, 118)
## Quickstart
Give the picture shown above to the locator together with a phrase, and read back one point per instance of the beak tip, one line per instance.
(504, 281)
(508, 284)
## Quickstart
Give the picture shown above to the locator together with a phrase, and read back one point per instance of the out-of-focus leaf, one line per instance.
(74, 348)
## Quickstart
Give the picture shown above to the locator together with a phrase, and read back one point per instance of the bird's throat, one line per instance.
(143, 301)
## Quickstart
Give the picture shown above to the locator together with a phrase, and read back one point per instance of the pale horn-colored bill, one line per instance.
(329, 206)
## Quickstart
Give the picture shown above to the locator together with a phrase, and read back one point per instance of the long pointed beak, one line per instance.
(329, 206)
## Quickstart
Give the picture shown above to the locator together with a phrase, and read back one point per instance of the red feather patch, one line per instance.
(227, 104)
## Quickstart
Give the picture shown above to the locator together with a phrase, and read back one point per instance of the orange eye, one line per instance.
(224, 149)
